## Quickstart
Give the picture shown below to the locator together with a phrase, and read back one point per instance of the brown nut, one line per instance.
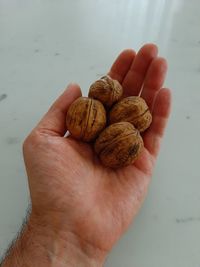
(120, 144)
(106, 90)
(134, 110)
(86, 118)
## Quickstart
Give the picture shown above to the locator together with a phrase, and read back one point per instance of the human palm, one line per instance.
(70, 188)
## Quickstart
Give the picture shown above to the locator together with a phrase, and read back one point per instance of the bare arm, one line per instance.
(38, 246)
(80, 208)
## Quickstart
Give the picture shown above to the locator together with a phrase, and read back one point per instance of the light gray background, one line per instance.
(45, 44)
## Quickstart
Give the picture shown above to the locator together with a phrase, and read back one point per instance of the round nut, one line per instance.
(86, 118)
(120, 144)
(106, 90)
(134, 110)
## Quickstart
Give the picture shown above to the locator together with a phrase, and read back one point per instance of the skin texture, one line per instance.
(80, 208)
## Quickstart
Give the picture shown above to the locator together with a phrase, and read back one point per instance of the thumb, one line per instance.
(53, 122)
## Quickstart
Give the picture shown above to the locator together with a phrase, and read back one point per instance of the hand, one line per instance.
(73, 195)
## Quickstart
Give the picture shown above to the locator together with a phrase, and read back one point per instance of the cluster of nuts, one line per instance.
(112, 122)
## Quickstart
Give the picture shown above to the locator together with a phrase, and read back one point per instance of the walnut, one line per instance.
(106, 90)
(118, 145)
(86, 118)
(134, 110)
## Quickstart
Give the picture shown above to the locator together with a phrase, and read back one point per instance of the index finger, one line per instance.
(122, 65)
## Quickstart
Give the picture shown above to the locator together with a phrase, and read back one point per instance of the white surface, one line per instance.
(46, 44)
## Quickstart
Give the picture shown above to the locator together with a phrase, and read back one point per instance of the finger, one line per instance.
(154, 80)
(134, 79)
(122, 64)
(153, 136)
(53, 123)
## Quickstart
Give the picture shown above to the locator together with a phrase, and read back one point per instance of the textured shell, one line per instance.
(119, 145)
(106, 90)
(86, 118)
(134, 110)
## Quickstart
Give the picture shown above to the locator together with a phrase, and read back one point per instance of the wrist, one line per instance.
(44, 245)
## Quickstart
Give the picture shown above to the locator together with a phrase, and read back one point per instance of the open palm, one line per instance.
(70, 189)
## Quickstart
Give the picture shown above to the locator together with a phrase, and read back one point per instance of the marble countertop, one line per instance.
(44, 45)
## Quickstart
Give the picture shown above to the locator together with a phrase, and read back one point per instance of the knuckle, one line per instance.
(31, 141)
